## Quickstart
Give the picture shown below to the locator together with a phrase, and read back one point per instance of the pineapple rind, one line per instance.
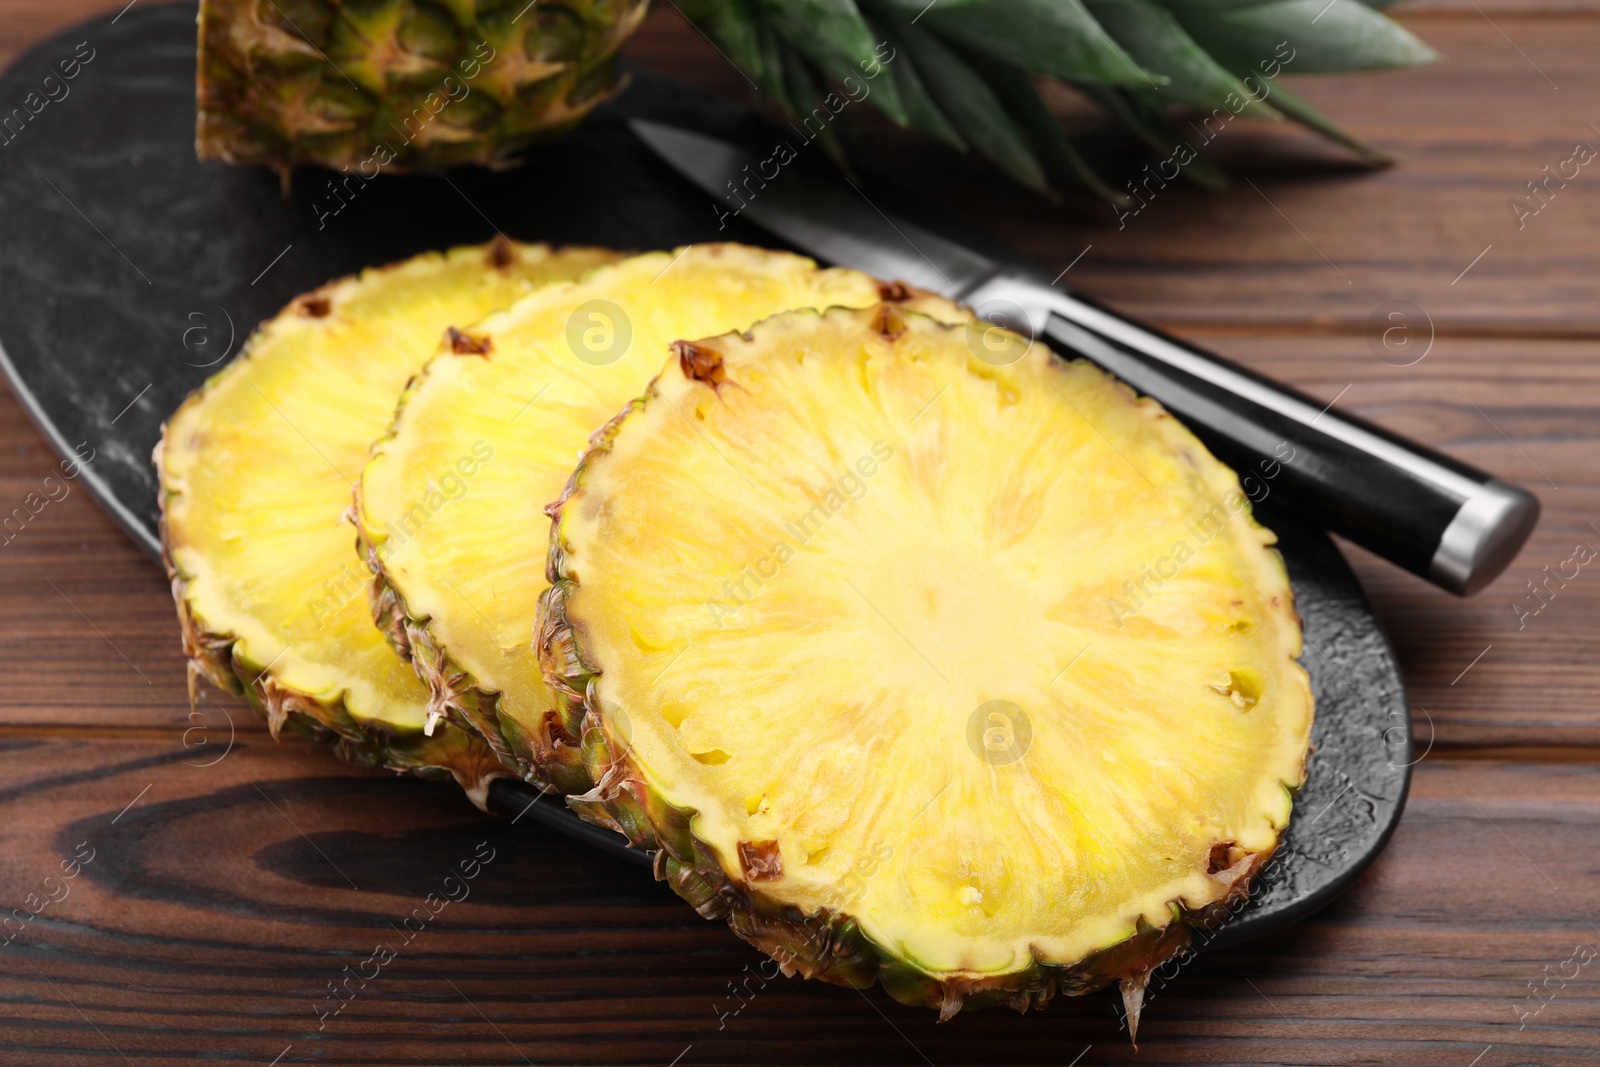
(827, 943)
(543, 747)
(393, 738)
(454, 695)
(394, 87)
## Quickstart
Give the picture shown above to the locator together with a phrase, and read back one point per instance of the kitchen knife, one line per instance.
(1439, 518)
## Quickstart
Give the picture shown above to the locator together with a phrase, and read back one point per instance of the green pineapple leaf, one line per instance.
(1159, 133)
(735, 28)
(833, 35)
(1021, 98)
(924, 113)
(769, 71)
(1156, 39)
(1303, 113)
(808, 94)
(972, 107)
(1055, 37)
(961, 70)
(1308, 36)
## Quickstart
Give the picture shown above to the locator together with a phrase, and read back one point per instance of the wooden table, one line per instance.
(229, 888)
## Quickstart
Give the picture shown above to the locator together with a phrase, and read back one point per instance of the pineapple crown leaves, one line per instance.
(832, 35)
(965, 71)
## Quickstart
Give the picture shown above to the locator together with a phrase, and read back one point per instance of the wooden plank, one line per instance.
(221, 902)
(88, 632)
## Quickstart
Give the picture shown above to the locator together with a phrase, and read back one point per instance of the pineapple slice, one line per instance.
(531, 384)
(977, 679)
(256, 470)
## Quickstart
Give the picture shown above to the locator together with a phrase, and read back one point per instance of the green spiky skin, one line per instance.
(450, 752)
(825, 944)
(396, 86)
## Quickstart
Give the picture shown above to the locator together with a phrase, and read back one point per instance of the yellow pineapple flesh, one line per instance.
(257, 469)
(533, 383)
(860, 626)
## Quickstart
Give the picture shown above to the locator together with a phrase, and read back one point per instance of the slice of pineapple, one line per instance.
(527, 387)
(925, 656)
(256, 471)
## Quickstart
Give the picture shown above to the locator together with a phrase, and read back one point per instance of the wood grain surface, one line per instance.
(223, 886)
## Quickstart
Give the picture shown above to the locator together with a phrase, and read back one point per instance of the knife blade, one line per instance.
(832, 222)
(1450, 523)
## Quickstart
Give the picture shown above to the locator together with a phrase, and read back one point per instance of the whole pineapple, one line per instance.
(394, 85)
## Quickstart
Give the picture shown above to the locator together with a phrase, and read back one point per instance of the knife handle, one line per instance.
(1441, 519)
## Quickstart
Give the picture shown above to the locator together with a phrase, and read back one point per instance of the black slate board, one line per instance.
(129, 271)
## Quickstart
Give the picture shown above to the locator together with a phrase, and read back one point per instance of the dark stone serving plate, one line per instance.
(129, 271)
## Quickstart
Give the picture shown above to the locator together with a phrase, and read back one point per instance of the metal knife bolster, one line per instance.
(1438, 518)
